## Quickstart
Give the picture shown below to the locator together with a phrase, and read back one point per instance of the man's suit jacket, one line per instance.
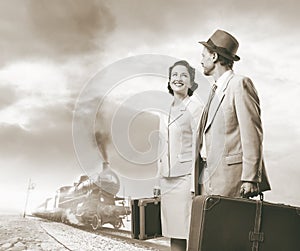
(233, 136)
(178, 139)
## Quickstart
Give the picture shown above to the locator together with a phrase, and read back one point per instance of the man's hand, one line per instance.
(249, 189)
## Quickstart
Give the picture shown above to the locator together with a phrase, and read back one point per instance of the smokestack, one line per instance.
(105, 165)
(108, 180)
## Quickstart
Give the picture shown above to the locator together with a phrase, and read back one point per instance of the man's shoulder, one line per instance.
(240, 78)
(240, 81)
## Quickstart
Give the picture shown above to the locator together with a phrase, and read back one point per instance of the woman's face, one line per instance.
(180, 80)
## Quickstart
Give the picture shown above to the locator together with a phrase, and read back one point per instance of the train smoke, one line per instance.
(102, 139)
(102, 128)
(71, 218)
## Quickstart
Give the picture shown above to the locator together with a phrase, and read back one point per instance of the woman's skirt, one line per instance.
(176, 204)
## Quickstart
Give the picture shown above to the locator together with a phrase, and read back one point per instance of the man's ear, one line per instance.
(215, 56)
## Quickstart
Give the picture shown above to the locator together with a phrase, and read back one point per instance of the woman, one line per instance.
(178, 131)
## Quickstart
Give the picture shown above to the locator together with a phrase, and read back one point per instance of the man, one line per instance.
(231, 125)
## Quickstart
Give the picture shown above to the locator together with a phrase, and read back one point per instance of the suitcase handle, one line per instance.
(256, 236)
(261, 196)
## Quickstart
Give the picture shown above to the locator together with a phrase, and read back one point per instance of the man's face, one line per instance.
(207, 62)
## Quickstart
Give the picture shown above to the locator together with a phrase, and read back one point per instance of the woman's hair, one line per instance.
(191, 71)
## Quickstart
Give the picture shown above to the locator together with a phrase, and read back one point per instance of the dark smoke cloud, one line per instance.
(103, 126)
(71, 26)
(103, 139)
(53, 29)
(138, 133)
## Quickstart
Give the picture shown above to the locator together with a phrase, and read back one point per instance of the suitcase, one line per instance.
(235, 224)
(145, 218)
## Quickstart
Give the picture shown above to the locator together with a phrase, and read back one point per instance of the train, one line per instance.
(88, 202)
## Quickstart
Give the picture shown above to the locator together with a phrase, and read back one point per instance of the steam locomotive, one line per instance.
(87, 202)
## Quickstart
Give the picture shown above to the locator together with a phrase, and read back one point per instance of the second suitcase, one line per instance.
(145, 218)
(235, 224)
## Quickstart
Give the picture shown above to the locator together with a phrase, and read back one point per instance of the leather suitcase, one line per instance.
(145, 218)
(235, 224)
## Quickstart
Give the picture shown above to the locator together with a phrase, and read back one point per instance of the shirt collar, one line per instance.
(184, 103)
(223, 80)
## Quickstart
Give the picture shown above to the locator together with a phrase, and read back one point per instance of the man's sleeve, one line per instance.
(195, 124)
(248, 115)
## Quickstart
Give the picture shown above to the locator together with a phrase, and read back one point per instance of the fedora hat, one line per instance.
(224, 44)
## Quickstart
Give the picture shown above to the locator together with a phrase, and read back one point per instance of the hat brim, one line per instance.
(216, 49)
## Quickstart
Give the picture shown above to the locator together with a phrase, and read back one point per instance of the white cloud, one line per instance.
(39, 79)
(36, 85)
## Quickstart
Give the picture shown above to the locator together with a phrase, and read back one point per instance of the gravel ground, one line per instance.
(17, 233)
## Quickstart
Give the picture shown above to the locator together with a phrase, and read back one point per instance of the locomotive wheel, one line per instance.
(118, 223)
(96, 222)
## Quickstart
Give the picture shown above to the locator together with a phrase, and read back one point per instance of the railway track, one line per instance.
(158, 243)
(74, 237)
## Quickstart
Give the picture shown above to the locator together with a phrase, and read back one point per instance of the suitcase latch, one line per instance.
(256, 236)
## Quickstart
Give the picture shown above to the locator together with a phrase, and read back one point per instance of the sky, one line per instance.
(53, 51)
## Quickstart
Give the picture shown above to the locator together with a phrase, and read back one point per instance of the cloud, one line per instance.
(7, 96)
(53, 29)
(50, 136)
(33, 76)
(279, 102)
(33, 87)
(35, 122)
(133, 148)
(159, 18)
(175, 28)
(281, 158)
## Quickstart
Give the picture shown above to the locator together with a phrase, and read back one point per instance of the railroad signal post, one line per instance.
(31, 186)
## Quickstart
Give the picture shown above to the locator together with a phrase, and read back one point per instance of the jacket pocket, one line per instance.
(234, 159)
(184, 157)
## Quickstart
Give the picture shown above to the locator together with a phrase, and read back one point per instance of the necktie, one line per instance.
(204, 116)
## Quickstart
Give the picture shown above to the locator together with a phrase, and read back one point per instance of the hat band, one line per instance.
(219, 49)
